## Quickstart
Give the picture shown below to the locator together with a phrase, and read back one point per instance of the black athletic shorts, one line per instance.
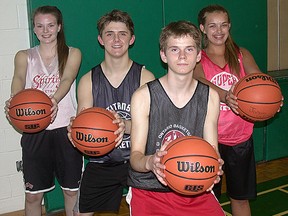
(102, 186)
(49, 154)
(240, 171)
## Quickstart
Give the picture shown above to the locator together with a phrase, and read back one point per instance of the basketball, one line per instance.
(92, 131)
(259, 97)
(30, 110)
(191, 165)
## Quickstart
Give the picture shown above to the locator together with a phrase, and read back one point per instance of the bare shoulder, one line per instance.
(85, 79)
(75, 52)
(250, 65)
(146, 76)
(244, 51)
(21, 54)
(247, 56)
(142, 92)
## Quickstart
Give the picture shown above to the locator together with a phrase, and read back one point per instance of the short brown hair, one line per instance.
(179, 29)
(115, 16)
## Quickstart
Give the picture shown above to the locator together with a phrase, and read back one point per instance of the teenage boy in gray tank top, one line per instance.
(172, 106)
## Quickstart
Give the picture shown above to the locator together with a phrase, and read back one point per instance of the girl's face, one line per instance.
(46, 28)
(216, 28)
(116, 38)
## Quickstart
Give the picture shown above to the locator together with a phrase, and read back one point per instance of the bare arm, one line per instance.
(19, 77)
(210, 133)
(85, 99)
(69, 74)
(249, 63)
(140, 106)
(211, 122)
(20, 71)
(146, 76)
(84, 92)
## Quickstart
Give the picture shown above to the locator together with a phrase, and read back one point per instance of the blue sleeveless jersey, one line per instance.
(117, 99)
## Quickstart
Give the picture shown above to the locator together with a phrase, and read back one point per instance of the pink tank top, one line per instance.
(232, 129)
(47, 80)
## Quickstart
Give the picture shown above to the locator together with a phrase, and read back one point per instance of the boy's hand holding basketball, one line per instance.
(154, 164)
(219, 173)
(121, 130)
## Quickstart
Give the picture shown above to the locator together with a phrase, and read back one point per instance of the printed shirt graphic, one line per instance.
(232, 129)
(117, 99)
(47, 80)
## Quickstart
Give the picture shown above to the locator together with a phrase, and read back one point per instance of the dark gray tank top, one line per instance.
(117, 99)
(167, 122)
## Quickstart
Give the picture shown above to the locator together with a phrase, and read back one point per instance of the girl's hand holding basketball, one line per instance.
(6, 108)
(231, 99)
(121, 130)
(153, 163)
(282, 102)
(54, 109)
(69, 130)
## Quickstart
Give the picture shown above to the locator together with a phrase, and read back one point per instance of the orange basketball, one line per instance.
(30, 110)
(92, 131)
(259, 97)
(191, 165)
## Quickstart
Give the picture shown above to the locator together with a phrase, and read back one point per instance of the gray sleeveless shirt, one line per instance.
(167, 122)
(117, 99)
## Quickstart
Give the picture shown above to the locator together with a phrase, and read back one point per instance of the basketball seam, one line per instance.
(101, 129)
(251, 102)
(94, 146)
(24, 103)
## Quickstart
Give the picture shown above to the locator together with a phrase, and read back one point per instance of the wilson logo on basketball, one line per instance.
(186, 166)
(89, 138)
(29, 112)
(263, 77)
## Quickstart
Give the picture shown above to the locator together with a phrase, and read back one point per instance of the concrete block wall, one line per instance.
(14, 36)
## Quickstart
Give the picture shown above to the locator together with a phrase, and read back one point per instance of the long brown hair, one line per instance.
(62, 48)
(232, 49)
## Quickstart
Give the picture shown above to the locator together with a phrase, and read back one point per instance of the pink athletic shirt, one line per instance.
(47, 80)
(232, 129)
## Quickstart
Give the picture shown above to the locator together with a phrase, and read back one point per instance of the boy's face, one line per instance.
(181, 54)
(116, 38)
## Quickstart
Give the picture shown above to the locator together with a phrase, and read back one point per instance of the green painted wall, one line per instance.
(249, 29)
